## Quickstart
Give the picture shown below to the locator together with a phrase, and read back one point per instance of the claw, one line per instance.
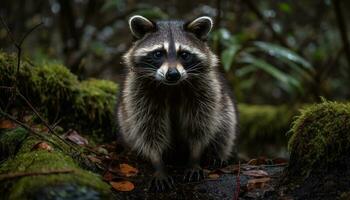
(161, 183)
(193, 175)
(218, 163)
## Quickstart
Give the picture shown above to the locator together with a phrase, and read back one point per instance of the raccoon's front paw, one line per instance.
(161, 183)
(194, 174)
(217, 163)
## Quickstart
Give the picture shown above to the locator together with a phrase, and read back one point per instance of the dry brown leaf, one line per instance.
(213, 176)
(231, 169)
(74, 137)
(128, 170)
(255, 173)
(94, 159)
(123, 186)
(259, 161)
(42, 146)
(257, 183)
(253, 161)
(6, 124)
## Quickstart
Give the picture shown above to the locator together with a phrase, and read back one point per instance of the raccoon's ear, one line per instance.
(139, 26)
(200, 27)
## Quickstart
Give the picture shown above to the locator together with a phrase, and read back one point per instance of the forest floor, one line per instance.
(130, 177)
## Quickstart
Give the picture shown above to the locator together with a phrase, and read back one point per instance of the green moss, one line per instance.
(96, 100)
(56, 92)
(8, 68)
(10, 141)
(264, 120)
(53, 85)
(29, 160)
(320, 138)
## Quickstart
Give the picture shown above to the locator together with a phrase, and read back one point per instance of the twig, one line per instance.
(18, 46)
(342, 29)
(44, 121)
(21, 174)
(25, 126)
(238, 183)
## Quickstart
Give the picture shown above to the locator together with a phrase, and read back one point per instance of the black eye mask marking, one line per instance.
(188, 60)
(153, 59)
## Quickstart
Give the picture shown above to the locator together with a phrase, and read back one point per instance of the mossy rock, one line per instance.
(264, 124)
(94, 104)
(84, 105)
(319, 152)
(10, 142)
(77, 184)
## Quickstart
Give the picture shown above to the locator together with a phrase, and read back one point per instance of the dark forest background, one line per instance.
(272, 51)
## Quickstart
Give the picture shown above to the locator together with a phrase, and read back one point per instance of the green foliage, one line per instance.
(283, 53)
(320, 138)
(32, 161)
(289, 70)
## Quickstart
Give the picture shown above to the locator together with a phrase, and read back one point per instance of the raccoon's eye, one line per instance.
(185, 56)
(157, 55)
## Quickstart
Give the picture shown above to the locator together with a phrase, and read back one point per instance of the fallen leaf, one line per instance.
(123, 186)
(28, 118)
(94, 159)
(258, 183)
(230, 169)
(253, 161)
(128, 170)
(213, 176)
(255, 173)
(40, 128)
(6, 124)
(74, 137)
(42, 146)
(102, 150)
(259, 161)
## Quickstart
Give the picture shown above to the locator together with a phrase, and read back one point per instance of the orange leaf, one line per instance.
(213, 176)
(128, 170)
(5, 124)
(123, 186)
(257, 183)
(42, 146)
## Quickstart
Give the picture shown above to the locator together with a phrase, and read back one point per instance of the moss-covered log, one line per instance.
(319, 152)
(45, 162)
(57, 93)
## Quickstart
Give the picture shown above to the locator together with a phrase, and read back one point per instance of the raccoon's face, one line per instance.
(170, 51)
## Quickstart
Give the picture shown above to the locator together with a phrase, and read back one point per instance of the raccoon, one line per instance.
(174, 99)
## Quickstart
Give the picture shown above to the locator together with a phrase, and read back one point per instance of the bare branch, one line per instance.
(29, 32)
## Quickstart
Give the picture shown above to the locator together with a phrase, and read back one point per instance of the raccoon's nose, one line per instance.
(172, 75)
